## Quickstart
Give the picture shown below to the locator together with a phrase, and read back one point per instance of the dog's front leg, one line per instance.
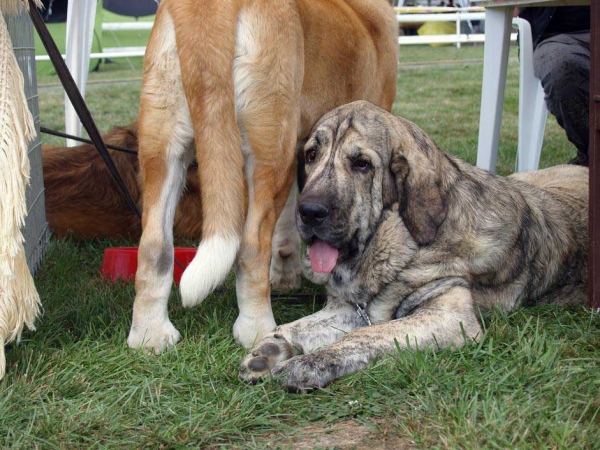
(301, 336)
(448, 320)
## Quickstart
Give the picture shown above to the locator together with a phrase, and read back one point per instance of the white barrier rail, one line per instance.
(448, 17)
(120, 26)
(442, 39)
(113, 52)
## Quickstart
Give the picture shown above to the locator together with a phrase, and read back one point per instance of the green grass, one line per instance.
(112, 96)
(531, 383)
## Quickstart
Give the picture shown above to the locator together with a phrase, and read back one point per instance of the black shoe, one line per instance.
(580, 160)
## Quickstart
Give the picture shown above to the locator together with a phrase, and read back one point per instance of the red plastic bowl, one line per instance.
(121, 262)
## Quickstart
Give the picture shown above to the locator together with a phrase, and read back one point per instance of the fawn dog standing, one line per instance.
(237, 84)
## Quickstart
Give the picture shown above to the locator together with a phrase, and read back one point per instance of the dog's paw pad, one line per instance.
(258, 364)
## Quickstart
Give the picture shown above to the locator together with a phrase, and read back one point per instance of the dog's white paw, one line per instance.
(286, 270)
(247, 331)
(154, 335)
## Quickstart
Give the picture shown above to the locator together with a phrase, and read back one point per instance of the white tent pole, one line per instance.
(81, 15)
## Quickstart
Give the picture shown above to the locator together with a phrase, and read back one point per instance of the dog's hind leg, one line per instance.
(165, 136)
(269, 185)
(268, 79)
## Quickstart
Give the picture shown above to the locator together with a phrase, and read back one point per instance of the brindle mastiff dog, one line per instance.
(413, 242)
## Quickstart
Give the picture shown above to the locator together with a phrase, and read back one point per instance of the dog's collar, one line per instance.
(362, 313)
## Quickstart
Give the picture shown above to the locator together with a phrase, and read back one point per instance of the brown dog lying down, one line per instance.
(82, 198)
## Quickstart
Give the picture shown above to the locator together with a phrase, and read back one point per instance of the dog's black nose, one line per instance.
(313, 213)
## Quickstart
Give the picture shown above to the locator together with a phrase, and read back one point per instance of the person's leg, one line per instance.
(562, 63)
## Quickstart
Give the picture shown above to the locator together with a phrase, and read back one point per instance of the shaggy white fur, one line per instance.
(19, 300)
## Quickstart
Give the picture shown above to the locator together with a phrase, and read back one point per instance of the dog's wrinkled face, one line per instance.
(358, 161)
(347, 186)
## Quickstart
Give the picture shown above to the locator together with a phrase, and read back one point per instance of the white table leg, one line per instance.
(495, 61)
(532, 104)
(80, 30)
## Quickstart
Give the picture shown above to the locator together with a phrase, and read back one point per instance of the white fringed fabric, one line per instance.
(15, 6)
(19, 300)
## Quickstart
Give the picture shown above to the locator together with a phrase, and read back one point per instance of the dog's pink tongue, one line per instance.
(322, 256)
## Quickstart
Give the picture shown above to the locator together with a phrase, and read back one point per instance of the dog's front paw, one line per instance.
(304, 373)
(269, 352)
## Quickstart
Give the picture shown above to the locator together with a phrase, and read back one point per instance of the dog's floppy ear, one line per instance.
(389, 190)
(415, 166)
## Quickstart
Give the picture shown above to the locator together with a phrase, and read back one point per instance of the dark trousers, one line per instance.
(562, 63)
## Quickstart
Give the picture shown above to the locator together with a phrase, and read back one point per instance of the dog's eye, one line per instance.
(310, 156)
(361, 165)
